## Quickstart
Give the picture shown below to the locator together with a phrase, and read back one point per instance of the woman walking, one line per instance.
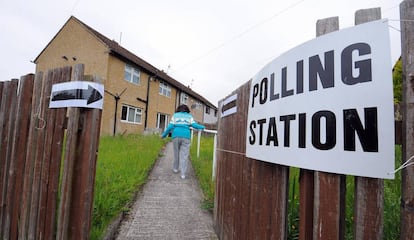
(179, 126)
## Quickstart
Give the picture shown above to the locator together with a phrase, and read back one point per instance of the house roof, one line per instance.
(128, 56)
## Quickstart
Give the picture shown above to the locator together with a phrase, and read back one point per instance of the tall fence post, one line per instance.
(407, 54)
(69, 164)
(369, 192)
(84, 172)
(7, 118)
(329, 205)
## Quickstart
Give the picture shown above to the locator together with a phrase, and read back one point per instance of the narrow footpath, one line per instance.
(168, 207)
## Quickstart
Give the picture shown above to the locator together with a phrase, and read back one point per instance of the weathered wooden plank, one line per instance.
(38, 158)
(241, 165)
(306, 196)
(328, 200)
(279, 202)
(218, 184)
(68, 165)
(21, 130)
(54, 156)
(1, 90)
(30, 156)
(50, 122)
(7, 123)
(85, 170)
(8, 110)
(407, 52)
(369, 192)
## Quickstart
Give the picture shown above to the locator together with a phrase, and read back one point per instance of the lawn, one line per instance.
(122, 167)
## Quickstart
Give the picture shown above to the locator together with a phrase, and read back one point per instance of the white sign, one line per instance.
(229, 106)
(327, 105)
(77, 94)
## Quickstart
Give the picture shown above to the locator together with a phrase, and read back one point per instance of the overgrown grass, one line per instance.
(122, 167)
(392, 193)
(203, 169)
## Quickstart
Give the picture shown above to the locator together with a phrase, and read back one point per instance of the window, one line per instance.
(199, 105)
(207, 110)
(131, 114)
(215, 113)
(165, 89)
(184, 98)
(132, 74)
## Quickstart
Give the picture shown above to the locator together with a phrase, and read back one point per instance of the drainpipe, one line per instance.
(117, 97)
(148, 96)
(147, 103)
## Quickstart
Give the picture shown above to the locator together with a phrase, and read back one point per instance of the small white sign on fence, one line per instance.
(229, 106)
(327, 105)
(77, 94)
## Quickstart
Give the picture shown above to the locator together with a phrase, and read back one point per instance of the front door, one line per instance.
(162, 121)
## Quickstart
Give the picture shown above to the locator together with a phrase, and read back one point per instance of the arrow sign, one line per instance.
(229, 106)
(77, 94)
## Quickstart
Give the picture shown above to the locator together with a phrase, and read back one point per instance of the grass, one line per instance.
(122, 167)
(203, 169)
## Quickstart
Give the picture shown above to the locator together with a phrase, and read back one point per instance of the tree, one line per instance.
(397, 81)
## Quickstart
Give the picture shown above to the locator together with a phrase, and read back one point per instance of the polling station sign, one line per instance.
(327, 105)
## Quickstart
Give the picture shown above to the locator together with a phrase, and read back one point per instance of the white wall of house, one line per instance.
(210, 115)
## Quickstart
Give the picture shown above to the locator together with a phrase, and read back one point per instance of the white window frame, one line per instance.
(136, 118)
(183, 98)
(199, 105)
(159, 118)
(134, 73)
(164, 89)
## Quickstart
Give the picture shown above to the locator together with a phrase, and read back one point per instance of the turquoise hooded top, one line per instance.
(180, 125)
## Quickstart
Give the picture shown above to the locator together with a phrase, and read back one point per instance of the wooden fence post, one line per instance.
(7, 118)
(369, 192)
(29, 166)
(18, 154)
(51, 173)
(407, 52)
(84, 170)
(69, 164)
(329, 198)
(75, 209)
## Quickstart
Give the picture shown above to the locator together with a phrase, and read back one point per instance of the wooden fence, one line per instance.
(251, 200)
(47, 160)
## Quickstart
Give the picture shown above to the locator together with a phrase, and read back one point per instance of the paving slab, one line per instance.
(168, 207)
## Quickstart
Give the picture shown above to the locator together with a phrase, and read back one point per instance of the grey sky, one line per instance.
(213, 46)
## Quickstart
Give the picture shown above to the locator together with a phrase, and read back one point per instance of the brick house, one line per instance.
(138, 96)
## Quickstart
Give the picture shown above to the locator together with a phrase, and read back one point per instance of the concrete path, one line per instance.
(168, 207)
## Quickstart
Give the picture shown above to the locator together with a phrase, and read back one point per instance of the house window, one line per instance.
(132, 74)
(215, 113)
(199, 105)
(184, 98)
(207, 110)
(131, 114)
(165, 89)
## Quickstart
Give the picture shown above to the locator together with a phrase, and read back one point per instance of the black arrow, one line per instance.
(90, 94)
(229, 105)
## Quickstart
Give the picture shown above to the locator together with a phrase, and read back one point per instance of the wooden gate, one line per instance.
(47, 160)
(251, 200)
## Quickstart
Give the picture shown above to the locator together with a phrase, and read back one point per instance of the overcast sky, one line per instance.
(213, 46)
